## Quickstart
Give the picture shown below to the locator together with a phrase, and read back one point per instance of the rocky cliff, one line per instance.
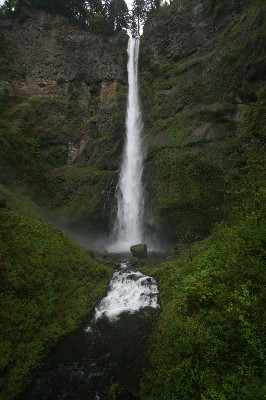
(201, 65)
(66, 89)
(204, 95)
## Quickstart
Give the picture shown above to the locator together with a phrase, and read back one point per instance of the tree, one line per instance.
(140, 11)
(94, 7)
(118, 15)
(8, 8)
(138, 16)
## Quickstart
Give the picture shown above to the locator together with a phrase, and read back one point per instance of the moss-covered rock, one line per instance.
(78, 195)
(198, 76)
(209, 340)
(186, 191)
(67, 111)
(139, 250)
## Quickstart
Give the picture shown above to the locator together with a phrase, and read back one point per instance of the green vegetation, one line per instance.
(47, 284)
(98, 16)
(4, 92)
(32, 176)
(7, 67)
(20, 157)
(204, 100)
(187, 192)
(189, 87)
(37, 136)
(209, 342)
(75, 195)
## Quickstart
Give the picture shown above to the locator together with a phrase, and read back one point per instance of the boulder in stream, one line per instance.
(139, 250)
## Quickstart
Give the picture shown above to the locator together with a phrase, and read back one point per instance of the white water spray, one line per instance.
(128, 228)
(130, 291)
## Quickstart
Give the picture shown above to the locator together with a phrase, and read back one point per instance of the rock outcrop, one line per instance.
(197, 78)
(68, 92)
(139, 250)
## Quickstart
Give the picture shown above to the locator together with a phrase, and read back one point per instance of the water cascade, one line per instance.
(130, 291)
(128, 228)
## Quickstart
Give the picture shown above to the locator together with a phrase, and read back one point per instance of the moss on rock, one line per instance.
(76, 195)
(198, 76)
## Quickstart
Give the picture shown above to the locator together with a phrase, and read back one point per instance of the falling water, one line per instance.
(128, 229)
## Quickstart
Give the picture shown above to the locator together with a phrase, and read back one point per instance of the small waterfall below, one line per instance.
(109, 349)
(130, 291)
(128, 228)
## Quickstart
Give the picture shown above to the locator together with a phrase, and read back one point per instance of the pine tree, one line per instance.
(118, 15)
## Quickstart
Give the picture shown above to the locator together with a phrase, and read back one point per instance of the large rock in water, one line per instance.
(139, 250)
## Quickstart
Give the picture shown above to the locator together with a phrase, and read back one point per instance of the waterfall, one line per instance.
(128, 228)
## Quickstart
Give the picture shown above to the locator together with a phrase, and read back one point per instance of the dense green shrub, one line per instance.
(188, 191)
(210, 338)
(75, 194)
(47, 283)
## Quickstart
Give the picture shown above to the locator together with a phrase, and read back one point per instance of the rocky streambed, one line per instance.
(106, 356)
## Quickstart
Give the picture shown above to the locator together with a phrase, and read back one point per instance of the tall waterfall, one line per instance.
(128, 229)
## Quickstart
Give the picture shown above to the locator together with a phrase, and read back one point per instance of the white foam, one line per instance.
(129, 291)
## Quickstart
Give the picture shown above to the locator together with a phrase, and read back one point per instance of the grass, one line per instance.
(47, 284)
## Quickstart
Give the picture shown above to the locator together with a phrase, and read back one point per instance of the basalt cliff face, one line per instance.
(66, 89)
(72, 76)
(201, 65)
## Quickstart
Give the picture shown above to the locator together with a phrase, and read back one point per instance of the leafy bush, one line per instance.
(47, 283)
(209, 341)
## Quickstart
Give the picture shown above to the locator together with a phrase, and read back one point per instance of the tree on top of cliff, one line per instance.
(118, 15)
(140, 12)
(8, 8)
(100, 16)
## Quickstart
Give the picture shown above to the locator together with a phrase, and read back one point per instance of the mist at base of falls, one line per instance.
(100, 242)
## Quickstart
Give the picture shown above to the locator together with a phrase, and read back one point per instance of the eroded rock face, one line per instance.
(72, 85)
(50, 48)
(69, 92)
(196, 77)
(207, 132)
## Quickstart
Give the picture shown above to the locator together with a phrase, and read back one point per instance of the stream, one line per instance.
(109, 350)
